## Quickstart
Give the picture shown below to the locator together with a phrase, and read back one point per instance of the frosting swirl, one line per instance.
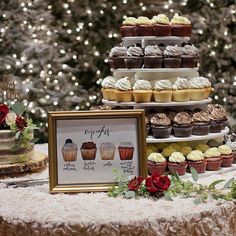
(212, 152)
(177, 157)
(123, 84)
(163, 85)
(160, 119)
(161, 19)
(202, 147)
(216, 112)
(185, 150)
(152, 50)
(156, 157)
(225, 149)
(69, 145)
(190, 50)
(172, 51)
(201, 116)
(205, 82)
(195, 83)
(118, 51)
(180, 20)
(183, 118)
(195, 155)
(135, 52)
(130, 21)
(142, 85)
(143, 20)
(181, 83)
(109, 82)
(88, 145)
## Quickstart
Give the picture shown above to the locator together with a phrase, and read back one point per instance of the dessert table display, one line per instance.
(29, 209)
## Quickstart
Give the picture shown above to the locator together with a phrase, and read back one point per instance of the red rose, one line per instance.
(3, 112)
(21, 123)
(156, 183)
(135, 183)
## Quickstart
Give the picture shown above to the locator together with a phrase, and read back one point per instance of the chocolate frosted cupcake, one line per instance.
(161, 25)
(181, 26)
(152, 57)
(128, 27)
(201, 123)
(218, 117)
(126, 151)
(182, 125)
(160, 125)
(69, 150)
(172, 57)
(117, 56)
(144, 27)
(189, 57)
(88, 150)
(135, 57)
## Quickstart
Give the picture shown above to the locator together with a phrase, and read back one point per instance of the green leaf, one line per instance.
(18, 108)
(167, 196)
(228, 183)
(34, 140)
(213, 184)
(130, 194)
(197, 200)
(176, 176)
(194, 174)
(17, 135)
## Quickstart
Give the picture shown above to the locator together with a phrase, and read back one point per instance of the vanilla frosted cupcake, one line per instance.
(163, 91)
(197, 91)
(161, 25)
(107, 151)
(181, 91)
(109, 88)
(177, 163)
(197, 161)
(128, 27)
(144, 26)
(123, 91)
(206, 85)
(214, 159)
(142, 91)
(227, 155)
(181, 26)
(156, 163)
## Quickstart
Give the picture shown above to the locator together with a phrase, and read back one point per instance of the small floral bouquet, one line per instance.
(11, 117)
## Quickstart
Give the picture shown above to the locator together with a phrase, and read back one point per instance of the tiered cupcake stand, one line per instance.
(153, 74)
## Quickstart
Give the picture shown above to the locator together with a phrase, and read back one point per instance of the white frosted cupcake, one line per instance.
(156, 163)
(177, 163)
(123, 91)
(181, 91)
(206, 85)
(197, 91)
(227, 155)
(107, 151)
(163, 91)
(109, 88)
(197, 161)
(142, 91)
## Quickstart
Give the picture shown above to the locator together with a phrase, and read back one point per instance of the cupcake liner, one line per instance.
(156, 167)
(216, 126)
(88, 154)
(188, 61)
(182, 95)
(201, 129)
(207, 92)
(107, 153)
(153, 61)
(134, 62)
(197, 94)
(111, 94)
(182, 131)
(171, 62)
(123, 96)
(214, 163)
(162, 30)
(199, 166)
(118, 62)
(227, 160)
(181, 30)
(161, 131)
(144, 30)
(127, 30)
(69, 155)
(163, 96)
(179, 168)
(142, 96)
(126, 153)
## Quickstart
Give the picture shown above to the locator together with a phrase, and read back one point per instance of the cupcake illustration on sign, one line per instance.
(88, 150)
(126, 151)
(69, 150)
(107, 151)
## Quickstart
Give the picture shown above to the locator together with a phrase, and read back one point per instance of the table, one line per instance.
(33, 211)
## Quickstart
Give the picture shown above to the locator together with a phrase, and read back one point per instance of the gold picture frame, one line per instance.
(74, 169)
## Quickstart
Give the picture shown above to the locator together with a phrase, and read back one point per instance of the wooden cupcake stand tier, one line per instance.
(37, 162)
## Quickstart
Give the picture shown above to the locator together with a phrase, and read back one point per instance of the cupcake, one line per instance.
(196, 160)
(142, 91)
(163, 91)
(117, 57)
(160, 125)
(202, 147)
(172, 57)
(171, 115)
(181, 91)
(123, 91)
(134, 57)
(107, 151)
(189, 56)
(181, 26)
(227, 155)
(161, 25)
(109, 88)
(69, 150)
(185, 150)
(152, 57)
(88, 150)
(214, 159)
(218, 117)
(176, 146)
(126, 151)
(182, 125)
(167, 151)
(177, 163)
(151, 148)
(197, 91)
(206, 85)
(201, 123)
(144, 27)
(128, 27)
(156, 163)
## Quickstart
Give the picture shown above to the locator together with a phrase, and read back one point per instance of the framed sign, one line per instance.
(84, 148)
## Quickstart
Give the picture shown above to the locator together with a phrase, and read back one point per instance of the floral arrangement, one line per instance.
(11, 117)
(157, 186)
